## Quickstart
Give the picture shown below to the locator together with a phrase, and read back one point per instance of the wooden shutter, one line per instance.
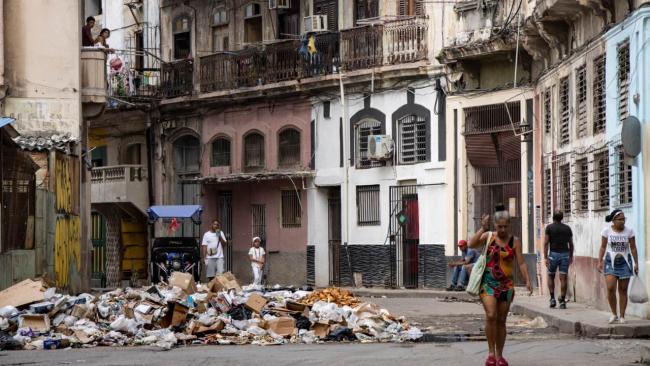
(410, 7)
(403, 7)
(329, 8)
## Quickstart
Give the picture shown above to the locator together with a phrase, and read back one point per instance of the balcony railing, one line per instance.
(134, 85)
(177, 78)
(118, 173)
(120, 184)
(362, 47)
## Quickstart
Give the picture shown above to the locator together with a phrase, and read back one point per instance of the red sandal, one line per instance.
(491, 361)
(502, 362)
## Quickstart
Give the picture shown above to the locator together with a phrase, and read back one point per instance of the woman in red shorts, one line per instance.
(497, 287)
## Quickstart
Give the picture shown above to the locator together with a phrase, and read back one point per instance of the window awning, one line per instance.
(180, 212)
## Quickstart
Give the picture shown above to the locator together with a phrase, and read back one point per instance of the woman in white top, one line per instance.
(617, 247)
(256, 255)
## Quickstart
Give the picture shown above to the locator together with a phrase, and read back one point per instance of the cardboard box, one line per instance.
(214, 328)
(23, 293)
(256, 303)
(283, 326)
(176, 315)
(37, 322)
(79, 311)
(294, 306)
(321, 330)
(183, 280)
(224, 282)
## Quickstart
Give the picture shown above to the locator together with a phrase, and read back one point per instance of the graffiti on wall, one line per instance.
(67, 243)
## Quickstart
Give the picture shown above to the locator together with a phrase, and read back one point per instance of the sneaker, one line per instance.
(451, 288)
(613, 319)
(621, 320)
(460, 288)
(552, 302)
(562, 304)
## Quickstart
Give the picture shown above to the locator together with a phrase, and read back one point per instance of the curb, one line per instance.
(410, 294)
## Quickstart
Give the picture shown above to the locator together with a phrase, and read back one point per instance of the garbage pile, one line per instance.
(34, 316)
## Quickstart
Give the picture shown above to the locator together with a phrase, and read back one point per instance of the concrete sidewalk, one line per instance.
(410, 293)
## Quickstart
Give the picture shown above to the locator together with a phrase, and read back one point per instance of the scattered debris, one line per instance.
(33, 316)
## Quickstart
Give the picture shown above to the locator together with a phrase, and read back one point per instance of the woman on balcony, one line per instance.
(497, 288)
(100, 41)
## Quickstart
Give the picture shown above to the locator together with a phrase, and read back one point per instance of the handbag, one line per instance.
(637, 292)
(475, 278)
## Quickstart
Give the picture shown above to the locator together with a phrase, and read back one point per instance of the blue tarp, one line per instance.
(5, 121)
(179, 212)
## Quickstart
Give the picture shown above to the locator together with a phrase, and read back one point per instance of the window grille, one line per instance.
(289, 148)
(363, 130)
(547, 192)
(581, 101)
(622, 178)
(600, 94)
(291, 212)
(254, 151)
(582, 184)
(563, 185)
(565, 135)
(221, 152)
(368, 205)
(601, 177)
(548, 111)
(412, 139)
(623, 79)
(258, 221)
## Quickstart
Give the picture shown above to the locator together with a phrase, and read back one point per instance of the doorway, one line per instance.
(334, 234)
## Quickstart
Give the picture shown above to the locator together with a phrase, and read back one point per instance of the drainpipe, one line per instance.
(346, 173)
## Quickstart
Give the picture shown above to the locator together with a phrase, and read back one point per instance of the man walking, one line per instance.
(462, 267)
(558, 249)
(212, 246)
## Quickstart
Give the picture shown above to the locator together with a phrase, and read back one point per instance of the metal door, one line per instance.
(98, 239)
(334, 235)
(189, 193)
(224, 215)
(258, 228)
(404, 236)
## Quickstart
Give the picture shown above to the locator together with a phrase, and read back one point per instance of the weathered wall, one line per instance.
(42, 65)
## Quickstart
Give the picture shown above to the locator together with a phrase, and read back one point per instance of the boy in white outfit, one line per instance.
(256, 255)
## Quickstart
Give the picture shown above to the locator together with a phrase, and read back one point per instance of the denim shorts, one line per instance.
(620, 268)
(558, 260)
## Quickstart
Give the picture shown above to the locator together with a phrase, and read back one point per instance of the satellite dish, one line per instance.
(631, 136)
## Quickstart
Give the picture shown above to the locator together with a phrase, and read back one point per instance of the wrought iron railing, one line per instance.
(177, 78)
(362, 47)
(134, 84)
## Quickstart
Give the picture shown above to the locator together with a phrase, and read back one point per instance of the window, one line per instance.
(220, 17)
(329, 8)
(289, 20)
(221, 152)
(601, 174)
(220, 39)
(563, 191)
(623, 179)
(548, 111)
(547, 192)
(258, 220)
(182, 37)
(581, 101)
(564, 111)
(252, 23)
(291, 212)
(253, 152)
(368, 205)
(364, 129)
(623, 79)
(599, 94)
(289, 148)
(364, 9)
(582, 184)
(187, 152)
(412, 139)
(410, 7)
(133, 155)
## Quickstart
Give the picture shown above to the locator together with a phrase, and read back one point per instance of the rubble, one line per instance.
(184, 312)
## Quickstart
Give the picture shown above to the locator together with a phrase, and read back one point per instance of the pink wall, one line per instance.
(268, 119)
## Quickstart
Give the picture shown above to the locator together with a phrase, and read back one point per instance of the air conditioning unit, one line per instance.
(279, 4)
(380, 147)
(316, 23)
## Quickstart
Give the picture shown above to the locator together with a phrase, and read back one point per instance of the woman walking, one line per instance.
(617, 246)
(497, 288)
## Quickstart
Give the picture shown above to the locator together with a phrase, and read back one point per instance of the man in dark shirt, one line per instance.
(558, 249)
(86, 33)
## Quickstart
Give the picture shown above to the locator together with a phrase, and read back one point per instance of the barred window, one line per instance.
(623, 79)
(547, 192)
(548, 111)
(565, 134)
(368, 205)
(582, 184)
(600, 94)
(253, 152)
(291, 211)
(563, 190)
(364, 129)
(581, 101)
(623, 178)
(289, 148)
(221, 152)
(412, 139)
(601, 175)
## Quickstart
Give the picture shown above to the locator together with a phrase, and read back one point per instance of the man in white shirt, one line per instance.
(256, 255)
(212, 246)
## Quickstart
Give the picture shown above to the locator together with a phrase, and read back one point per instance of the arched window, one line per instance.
(412, 142)
(182, 36)
(289, 148)
(187, 153)
(253, 152)
(364, 129)
(220, 152)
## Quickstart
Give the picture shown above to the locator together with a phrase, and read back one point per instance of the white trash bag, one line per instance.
(637, 292)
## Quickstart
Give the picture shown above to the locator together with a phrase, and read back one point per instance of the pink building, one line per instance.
(255, 166)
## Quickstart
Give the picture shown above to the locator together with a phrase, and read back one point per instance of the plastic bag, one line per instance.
(637, 292)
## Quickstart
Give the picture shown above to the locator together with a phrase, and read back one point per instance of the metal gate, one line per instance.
(334, 235)
(189, 193)
(98, 239)
(404, 236)
(258, 228)
(224, 215)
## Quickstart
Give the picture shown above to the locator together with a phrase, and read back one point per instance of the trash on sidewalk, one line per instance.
(537, 323)
(184, 312)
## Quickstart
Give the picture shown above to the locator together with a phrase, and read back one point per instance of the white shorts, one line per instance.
(214, 267)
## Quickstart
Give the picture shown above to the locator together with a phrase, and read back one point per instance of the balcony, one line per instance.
(93, 81)
(133, 86)
(177, 78)
(122, 185)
